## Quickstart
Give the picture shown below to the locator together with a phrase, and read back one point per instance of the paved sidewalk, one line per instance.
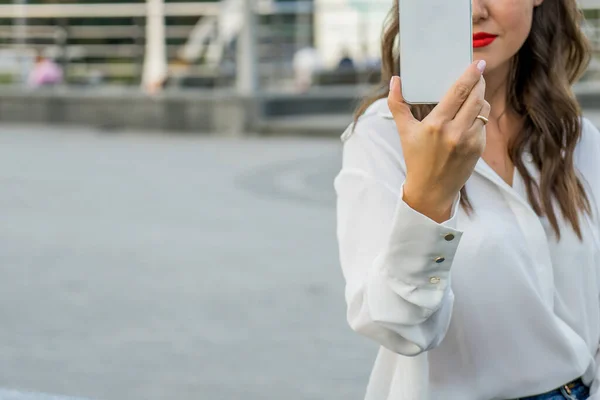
(148, 267)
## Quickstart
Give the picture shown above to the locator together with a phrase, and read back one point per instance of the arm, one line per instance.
(396, 292)
(397, 261)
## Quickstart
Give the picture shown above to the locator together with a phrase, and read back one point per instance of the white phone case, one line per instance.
(436, 46)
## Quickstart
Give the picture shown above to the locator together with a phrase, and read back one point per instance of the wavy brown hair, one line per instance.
(554, 56)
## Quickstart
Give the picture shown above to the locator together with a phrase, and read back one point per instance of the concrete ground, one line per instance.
(146, 267)
(171, 267)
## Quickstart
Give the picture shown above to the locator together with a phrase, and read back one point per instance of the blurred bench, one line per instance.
(199, 81)
(346, 77)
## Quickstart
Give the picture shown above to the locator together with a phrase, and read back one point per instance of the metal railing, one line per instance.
(108, 41)
(105, 10)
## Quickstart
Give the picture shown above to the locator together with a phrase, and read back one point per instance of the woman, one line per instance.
(470, 251)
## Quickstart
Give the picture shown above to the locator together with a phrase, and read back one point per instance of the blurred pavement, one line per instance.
(146, 267)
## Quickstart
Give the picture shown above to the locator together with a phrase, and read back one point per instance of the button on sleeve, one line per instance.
(420, 254)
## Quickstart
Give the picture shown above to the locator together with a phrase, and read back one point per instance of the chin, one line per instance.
(497, 66)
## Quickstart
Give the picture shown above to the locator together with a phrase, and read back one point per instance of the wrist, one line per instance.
(431, 203)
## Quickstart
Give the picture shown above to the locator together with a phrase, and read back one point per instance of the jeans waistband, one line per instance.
(573, 390)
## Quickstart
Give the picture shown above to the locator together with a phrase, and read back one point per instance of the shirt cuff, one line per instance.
(420, 255)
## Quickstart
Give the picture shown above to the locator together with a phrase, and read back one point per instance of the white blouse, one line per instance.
(481, 307)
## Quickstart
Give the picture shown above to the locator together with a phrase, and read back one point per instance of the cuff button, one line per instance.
(434, 280)
(449, 237)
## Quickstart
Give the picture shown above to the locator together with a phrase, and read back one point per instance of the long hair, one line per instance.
(553, 57)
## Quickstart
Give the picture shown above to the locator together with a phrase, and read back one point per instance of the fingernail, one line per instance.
(392, 82)
(481, 66)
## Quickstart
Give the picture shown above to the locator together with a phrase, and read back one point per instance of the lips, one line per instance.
(482, 39)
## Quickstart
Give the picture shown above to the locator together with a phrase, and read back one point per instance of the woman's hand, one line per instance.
(441, 151)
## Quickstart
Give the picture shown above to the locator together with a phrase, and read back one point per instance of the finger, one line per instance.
(459, 92)
(400, 110)
(484, 112)
(472, 107)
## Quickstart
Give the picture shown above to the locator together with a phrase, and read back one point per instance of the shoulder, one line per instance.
(373, 143)
(377, 117)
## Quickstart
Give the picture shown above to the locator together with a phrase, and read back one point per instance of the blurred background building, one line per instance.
(104, 41)
(252, 48)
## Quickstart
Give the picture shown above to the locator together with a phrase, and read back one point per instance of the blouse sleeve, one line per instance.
(396, 261)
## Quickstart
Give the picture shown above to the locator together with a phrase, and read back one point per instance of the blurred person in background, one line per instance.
(469, 231)
(306, 62)
(346, 63)
(45, 73)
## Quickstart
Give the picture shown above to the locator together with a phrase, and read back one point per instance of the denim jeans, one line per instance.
(579, 392)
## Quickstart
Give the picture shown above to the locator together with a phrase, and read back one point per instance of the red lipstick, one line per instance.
(482, 39)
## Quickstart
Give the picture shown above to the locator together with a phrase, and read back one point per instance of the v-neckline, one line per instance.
(516, 190)
(491, 172)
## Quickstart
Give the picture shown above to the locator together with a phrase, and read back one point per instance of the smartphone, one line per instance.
(436, 47)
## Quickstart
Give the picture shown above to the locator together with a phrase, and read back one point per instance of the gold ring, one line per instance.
(482, 119)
